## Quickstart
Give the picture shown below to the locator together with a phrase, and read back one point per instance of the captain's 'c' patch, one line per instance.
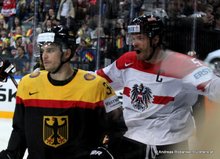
(89, 76)
(55, 130)
(34, 74)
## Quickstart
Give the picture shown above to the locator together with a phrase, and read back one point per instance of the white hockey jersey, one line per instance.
(158, 98)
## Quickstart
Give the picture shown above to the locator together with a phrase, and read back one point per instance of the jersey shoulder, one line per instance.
(183, 61)
(127, 60)
(33, 77)
(93, 82)
(88, 76)
(179, 65)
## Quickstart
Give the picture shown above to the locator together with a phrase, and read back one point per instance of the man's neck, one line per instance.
(63, 74)
(158, 56)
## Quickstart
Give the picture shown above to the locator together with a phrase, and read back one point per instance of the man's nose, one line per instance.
(134, 43)
(44, 54)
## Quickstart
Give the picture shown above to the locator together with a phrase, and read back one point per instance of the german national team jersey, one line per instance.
(158, 98)
(56, 120)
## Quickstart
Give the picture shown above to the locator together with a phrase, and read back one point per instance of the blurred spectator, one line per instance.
(66, 12)
(19, 40)
(195, 14)
(21, 9)
(21, 62)
(129, 8)
(16, 23)
(85, 53)
(3, 24)
(217, 21)
(175, 9)
(97, 32)
(84, 29)
(208, 19)
(48, 25)
(124, 10)
(190, 7)
(136, 4)
(16, 34)
(196, 9)
(8, 11)
(160, 12)
(47, 5)
(94, 8)
(81, 10)
(55, 22)
(31, 15)
(49, 15)
(214, 3)
(4, 45)
(120, 38)
(111, 9)
(5, 41)
(111, 12)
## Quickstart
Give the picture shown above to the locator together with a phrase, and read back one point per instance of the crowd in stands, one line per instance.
(96, 27)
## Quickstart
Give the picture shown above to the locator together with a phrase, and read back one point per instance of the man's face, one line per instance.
(141, 44)
(20, 51)
(51, 56)
(19, 41)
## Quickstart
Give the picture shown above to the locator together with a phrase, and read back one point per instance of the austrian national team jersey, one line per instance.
(158, 98)
(61, 120)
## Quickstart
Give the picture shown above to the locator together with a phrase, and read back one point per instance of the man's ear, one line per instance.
(155, 40)
(67, 53)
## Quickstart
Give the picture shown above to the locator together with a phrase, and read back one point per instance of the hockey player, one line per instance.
(6, 71)
(61, 112)
(159, 88)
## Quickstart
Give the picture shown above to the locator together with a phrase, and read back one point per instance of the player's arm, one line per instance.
(212, 89)
(202, 79)
(115, 129)
(6, 70)
(113, 75)
(113, 124)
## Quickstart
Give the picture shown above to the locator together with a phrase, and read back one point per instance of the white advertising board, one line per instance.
(7, 95)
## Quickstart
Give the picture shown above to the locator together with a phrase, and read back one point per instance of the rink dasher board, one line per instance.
(7, 98)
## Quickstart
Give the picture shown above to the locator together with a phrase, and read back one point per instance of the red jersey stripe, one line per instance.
(156, 99)
(162, 99)
(58, 103)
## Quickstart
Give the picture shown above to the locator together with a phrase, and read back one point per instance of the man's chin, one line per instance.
(47, 68)
(139, 57)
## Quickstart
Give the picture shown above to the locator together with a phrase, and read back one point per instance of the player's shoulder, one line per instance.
(177, 55)
(33, 76)
(126, 60)
(130, 55)
(184, 60)
(89, 75)
(91, 79)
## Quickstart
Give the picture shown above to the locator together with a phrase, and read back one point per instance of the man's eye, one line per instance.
(49, 50)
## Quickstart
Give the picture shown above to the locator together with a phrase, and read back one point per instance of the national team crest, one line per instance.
(141, 96)
(55, 130)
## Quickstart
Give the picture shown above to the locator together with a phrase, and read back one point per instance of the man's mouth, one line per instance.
(138, 51)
